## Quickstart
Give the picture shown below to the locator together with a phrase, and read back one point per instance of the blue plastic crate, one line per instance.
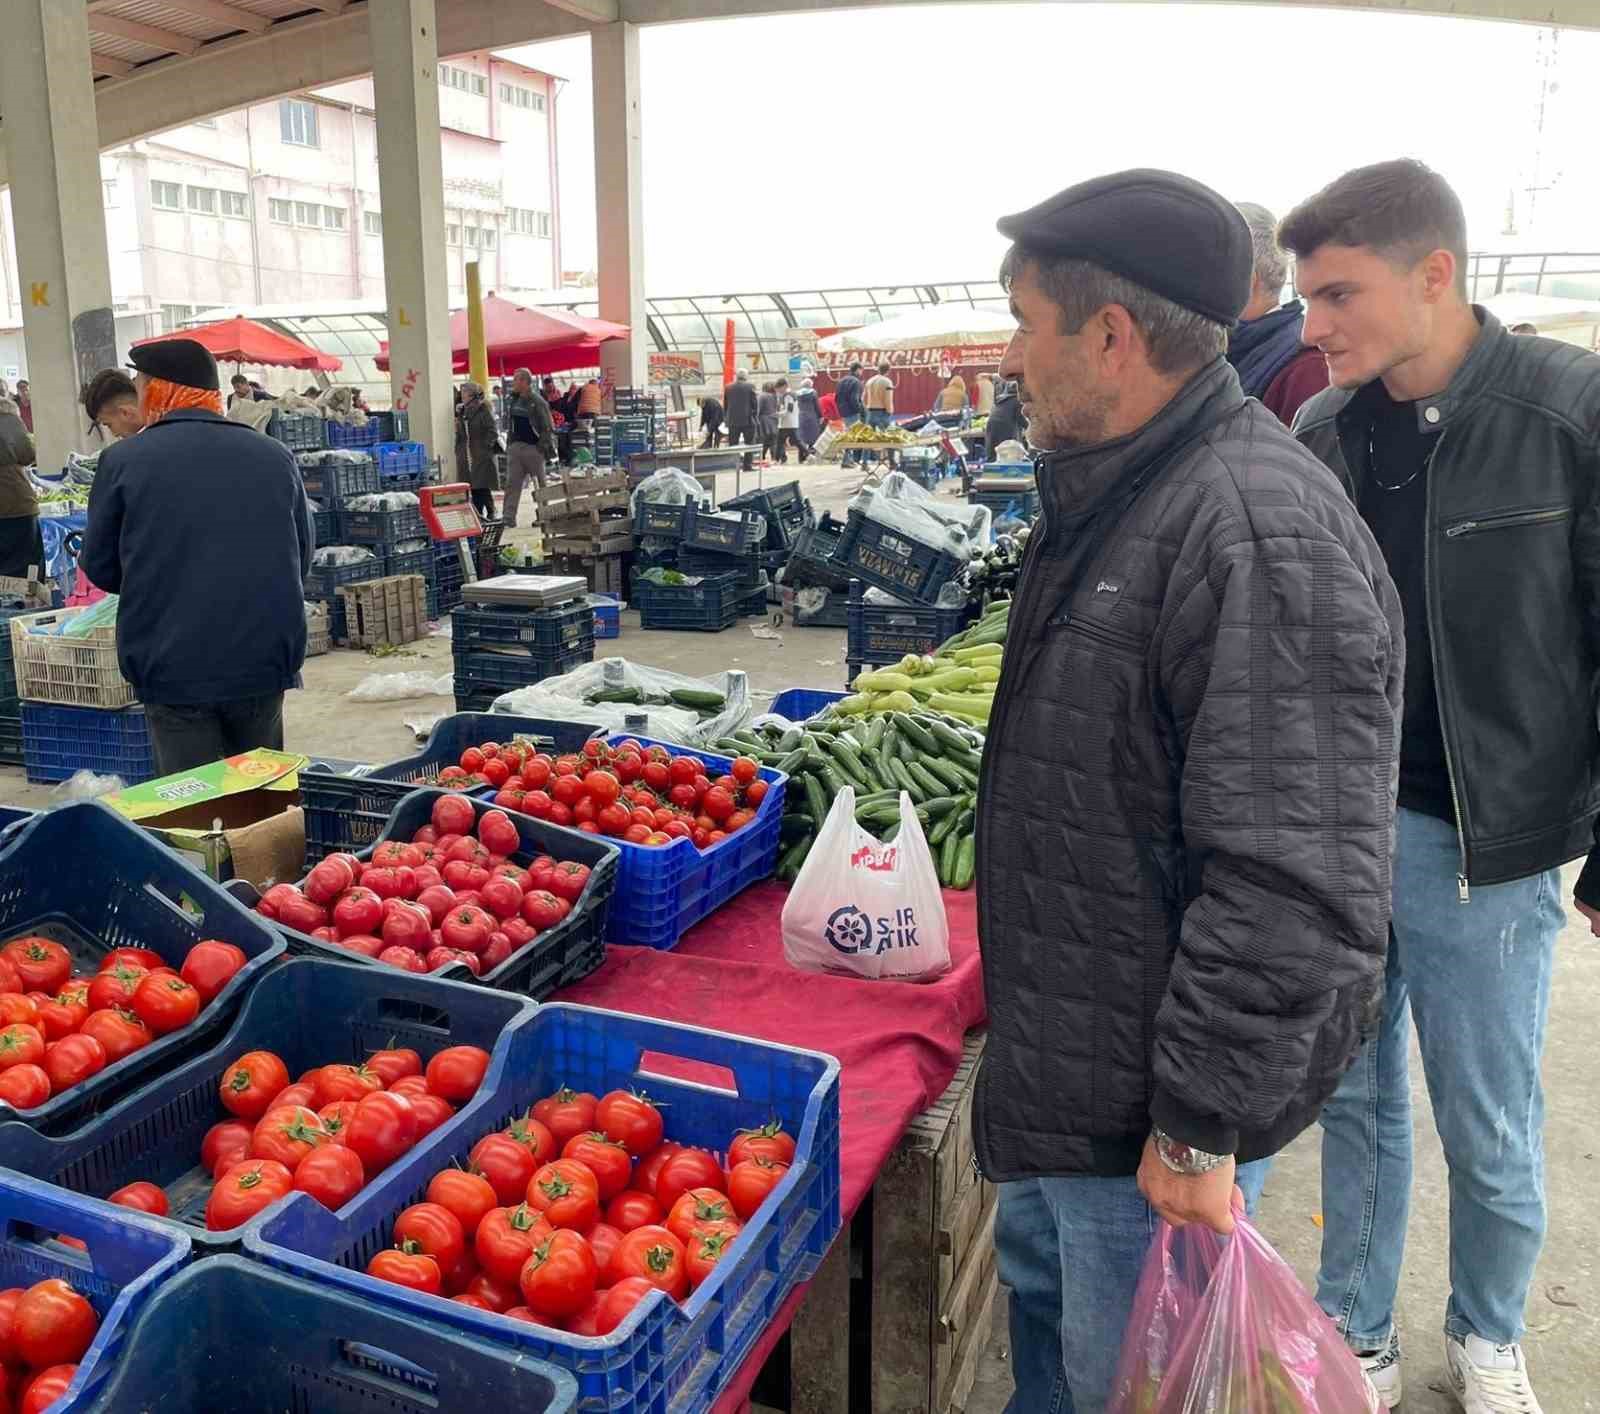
(705, 564)
(655, 518)
(129, 1258)
(409, 562)
(323, 581)
(663, 1357)
(350, 812)
(885, 633)
(383, 528)
(476, 702)
(664, 890)
(882, 556)
(93, 881)
(1021, 505)
(392, 426)
(310, 1348)
(607, 615)
(58, 742)
(710, 606)
(342, 435)
(332, 480)
(505, 672)
(800, 704)
(297, 431)
(782, 507)
(558, 956)
(306, 1010)
(11, 752)
(490, 628)
(735, 533)
(395, 458)
(325, 527)
(406, 480)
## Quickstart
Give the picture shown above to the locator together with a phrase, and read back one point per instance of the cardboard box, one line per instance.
(233, 819)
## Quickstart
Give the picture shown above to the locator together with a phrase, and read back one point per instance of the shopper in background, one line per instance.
(711, 420)
(25, 403)
(788, 424)
(201, 525)
(985, 403)
(847, 392)
(810, 418)
(112, 402)
(878, 399)
(1474, 456)
(1006, 422)
(828, 409)
(742, 403)
(953, 396)
(532, 440)
(483, 448)
(241, 390)
(1183, 949)
(1265, 348)
(463, 461)
(767, 419)
(21, 543)
(590, 401)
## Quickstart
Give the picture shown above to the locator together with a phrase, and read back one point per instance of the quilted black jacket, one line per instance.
(1187, 805)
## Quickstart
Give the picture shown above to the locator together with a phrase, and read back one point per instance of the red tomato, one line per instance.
(45, 1388)
(567, 790)
(654, 1254)
(250, 1084)
(507, 1165)
(142, 1197)
(498, 834)
(506, 1237)
(382, 1128)
(210, 966)
(395, 854)
(609, 1161)
(345, 1082)
(587, 1321)
(330, 878)
(568, 879)
(744, 770)
(697, 1207)
(769, 1141)
(225, 1145)
(406, 925)
(452, 815)
(405, 959)
(296, 911)
(336, 1119)
(360, 911)
(21, 1044)
(535, 1137)
(755, 793)
(438, 900)
(688, 1168)
(683, 769)
(25, 1086)
(392, 1065)
(620, 1300)
(702, 1251)
(636, 834)
(392, 881)
(567, 1193)
(738, 820)
(419, 1273)
(631, 1209)
(718, 804)
(472, 759)
(457, 1071)
(566, 1113)
(58, 1017)
(603, 1238)
(42, 964)
(613, 819)
(558, 1278)
(630, 1119)
(750, 1181)
(287, 1133)
(542, 909)
(430, 1111)
(468, 1195)
(333, 1175)
(302, 1092)
(644, 1176)
(16, 1008)
(166, 1004)
(431, 1229)
(502, 897)
(120, 1032)
(244, 1190)
(497, 1295)
(497, 773)
(115, 986)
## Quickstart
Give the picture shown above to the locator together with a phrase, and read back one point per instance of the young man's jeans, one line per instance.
(1071, 1250)
(182, 738)
(852, 458)
(880, 418)
(1476, 976)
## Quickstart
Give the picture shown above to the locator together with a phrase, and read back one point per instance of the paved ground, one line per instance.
(1564, 1311)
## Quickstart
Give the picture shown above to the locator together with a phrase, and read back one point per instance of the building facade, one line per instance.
(278, 203)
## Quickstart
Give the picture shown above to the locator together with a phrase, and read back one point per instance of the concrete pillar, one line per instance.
(619, 198)
(411, 189)
(53, 159)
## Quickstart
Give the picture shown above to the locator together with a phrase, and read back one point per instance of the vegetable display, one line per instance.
(45, 1329)
(57, 1029)
(451, 895)
(577, 1211)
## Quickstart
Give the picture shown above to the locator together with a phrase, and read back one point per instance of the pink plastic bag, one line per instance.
(1223, 1326)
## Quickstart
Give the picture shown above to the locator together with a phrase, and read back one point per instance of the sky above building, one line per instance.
(879, 146)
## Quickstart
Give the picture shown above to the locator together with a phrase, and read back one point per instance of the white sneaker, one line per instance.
(1489, 1379)
(1382, 1369)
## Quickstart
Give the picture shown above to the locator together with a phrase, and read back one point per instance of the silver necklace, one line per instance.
(1372, 465)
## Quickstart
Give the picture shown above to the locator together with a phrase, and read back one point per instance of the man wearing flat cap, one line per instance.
(1188, 793)
(201, 526)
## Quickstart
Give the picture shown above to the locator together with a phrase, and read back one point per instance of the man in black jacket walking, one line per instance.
(1475, 458)
(1187, 801)
(740, 398)
(848, 397)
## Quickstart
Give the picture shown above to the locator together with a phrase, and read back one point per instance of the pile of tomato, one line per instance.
(641, 794)
(57, 1029)
(578, 1211)
(44, 1331)
(451, 895)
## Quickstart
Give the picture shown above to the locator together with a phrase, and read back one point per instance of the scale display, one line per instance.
(448, 513)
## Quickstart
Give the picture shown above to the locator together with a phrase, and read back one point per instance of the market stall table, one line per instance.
(898, 1043)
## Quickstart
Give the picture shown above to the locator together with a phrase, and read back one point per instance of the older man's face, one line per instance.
(522, 384)
(1062, 397)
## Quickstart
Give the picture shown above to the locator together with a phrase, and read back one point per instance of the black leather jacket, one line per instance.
(1513, 592)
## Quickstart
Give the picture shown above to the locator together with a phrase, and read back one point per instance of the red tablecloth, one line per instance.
(897, 1043)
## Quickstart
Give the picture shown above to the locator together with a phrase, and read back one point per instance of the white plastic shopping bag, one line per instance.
(864, 907)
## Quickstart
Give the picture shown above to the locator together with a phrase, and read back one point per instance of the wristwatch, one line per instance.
(1185, 1158)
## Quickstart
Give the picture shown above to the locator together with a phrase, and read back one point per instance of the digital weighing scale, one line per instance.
(448, 513)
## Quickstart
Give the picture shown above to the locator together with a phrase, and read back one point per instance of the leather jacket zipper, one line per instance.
(1505, 521)
(1463, 890)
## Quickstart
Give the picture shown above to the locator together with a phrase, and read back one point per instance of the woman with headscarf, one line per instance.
(483, 449)
(21, 544)
(810, 418)
(767, 419)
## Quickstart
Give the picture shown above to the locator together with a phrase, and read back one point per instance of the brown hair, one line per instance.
(109, 385)
(1401, 209)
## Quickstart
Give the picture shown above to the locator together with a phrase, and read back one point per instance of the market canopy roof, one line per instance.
(540, 340)
(241, 340)
(937, 326)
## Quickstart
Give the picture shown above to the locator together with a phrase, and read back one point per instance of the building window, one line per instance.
(235, 203)
(297, 121)
(307, 213)
(505, 93)
(444, 76)
(538, 101)
(488, 238)
(541, 224)
(109, 188)
(281, 211)
(174, 315)
(333, 218)
(203, 200)
(480, 85)
(472, 236)
(452, 234)
(372, 222)
(166, 196)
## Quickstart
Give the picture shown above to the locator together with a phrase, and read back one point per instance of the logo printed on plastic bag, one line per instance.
(876, 857)
(851, 931)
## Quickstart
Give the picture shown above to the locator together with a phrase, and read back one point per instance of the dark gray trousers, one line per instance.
(184, 737)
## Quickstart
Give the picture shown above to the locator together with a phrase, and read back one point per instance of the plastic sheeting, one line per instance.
(901, 504)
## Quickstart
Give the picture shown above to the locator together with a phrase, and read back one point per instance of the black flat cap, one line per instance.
(1164, 231)
(181, 361)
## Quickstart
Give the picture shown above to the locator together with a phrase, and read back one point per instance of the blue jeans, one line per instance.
(1476, 978)
(1071, 1250)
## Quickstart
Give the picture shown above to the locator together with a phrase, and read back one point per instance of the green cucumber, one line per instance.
(791, 739)
(903, 779)
(948, 853)
(942, 805)
(917, 733)
(943, 827)
(949, 738)
(876, 731)
(948, 772)
(793, 858)
(796, 826)
(698, 697)
(931, 784)
(816, 798)
(966, 862)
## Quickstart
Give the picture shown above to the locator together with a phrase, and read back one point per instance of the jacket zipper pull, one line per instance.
(1463, 893)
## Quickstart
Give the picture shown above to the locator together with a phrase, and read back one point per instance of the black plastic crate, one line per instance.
(323, 581)
(884, 557)
(711, 605)
(409, 562)
(731, 534)
(833, 610)
(564, 630)
(476, 701)
(297, 431)
(811, 558)
(392, 426)
(477, 673)
(885, 633)
(656, 518)
(329, 480)
(325, 527)
(387, 527)
(782, 507)
(710, 562)
(754, 604)
(11, 732)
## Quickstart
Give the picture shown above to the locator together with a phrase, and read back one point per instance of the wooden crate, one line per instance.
(319, 634)
(581, 496)
(385, 612)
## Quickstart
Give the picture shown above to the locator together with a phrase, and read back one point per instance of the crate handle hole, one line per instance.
(385, 1370)
(393, 1009)
(179, 902)
(694, 1072)
(50, 1240)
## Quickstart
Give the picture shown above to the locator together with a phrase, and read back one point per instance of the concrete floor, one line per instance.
(1564, 1309)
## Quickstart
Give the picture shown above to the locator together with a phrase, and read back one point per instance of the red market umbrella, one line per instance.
(241, 340)
(540, 340)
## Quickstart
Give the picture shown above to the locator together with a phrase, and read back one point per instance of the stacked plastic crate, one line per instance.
(333, 478)
(499, 648)
(10, 702)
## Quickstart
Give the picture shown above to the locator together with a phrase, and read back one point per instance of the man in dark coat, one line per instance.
(740, 399)
(201, 525)
(1006, 423)
(483, 449)
(711, 420)
(1187, 803)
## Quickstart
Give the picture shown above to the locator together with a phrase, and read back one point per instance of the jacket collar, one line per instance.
(1476, 373)
(1076, 483)
(193, 415)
